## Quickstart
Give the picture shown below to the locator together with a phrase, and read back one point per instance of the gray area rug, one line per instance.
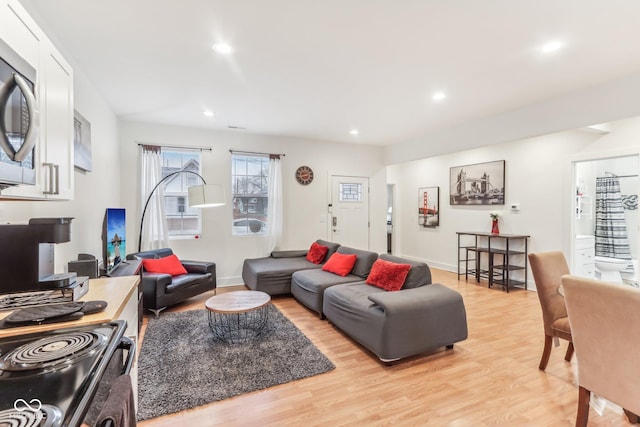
(181, 366)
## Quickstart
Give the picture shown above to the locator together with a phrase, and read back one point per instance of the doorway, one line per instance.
(597, 182)
(350, 211)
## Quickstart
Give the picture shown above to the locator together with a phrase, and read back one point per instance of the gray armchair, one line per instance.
(160, 291)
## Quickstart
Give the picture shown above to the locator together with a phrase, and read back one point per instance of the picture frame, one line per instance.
(477, 184)
(428, 207)
(81, 142)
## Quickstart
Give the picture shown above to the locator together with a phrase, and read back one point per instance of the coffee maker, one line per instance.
(27, 264)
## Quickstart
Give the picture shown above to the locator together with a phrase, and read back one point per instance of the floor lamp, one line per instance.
(200, 196)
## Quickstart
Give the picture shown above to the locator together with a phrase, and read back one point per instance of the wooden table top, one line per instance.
(237, 302)
(116, 291)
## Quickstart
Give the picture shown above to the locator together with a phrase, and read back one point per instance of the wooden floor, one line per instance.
(491, 379)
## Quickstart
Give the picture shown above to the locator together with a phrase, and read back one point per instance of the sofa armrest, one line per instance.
(416, 300)
(154, 284)
(289, 254)
(199, 267)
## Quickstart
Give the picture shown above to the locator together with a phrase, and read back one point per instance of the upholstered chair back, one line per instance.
(605, 324)
(547, 269)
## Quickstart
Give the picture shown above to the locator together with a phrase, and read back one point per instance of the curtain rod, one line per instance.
(255, 152)
(617, 176)
(177, 147)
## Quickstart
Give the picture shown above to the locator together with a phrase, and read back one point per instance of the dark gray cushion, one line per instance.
(152, 254)
(289, 254)
(419, 275)
(331, 245)
(364, 260)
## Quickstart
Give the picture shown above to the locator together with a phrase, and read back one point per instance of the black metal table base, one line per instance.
(237, 328)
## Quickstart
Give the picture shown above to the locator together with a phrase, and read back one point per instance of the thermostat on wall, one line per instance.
(515, 206)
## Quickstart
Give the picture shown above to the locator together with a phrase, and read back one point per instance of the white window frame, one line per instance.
(169, 165)
(249, 206)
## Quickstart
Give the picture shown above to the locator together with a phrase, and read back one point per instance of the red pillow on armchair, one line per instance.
(167, 265)
(316, 253)
(388, 275)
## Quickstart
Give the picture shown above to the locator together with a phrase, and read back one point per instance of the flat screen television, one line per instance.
(114, 237)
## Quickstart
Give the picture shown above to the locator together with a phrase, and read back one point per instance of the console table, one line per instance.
(510, 248)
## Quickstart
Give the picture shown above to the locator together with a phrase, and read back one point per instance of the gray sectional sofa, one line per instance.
(419, 317)
(272, 274)
(308, 286)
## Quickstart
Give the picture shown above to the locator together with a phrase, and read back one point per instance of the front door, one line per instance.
(350, 211)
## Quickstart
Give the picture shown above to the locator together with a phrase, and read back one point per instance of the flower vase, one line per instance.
(494, 227)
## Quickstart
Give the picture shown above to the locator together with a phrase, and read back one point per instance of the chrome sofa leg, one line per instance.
(157, 311)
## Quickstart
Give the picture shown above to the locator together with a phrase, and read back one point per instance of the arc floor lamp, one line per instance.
(200, 196)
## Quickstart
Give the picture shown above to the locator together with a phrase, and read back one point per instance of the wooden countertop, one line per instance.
(116, 291)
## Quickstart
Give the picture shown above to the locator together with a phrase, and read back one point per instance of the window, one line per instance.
(250, 192)
(181, 219)
(350, 192)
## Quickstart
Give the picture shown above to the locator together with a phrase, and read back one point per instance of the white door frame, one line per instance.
(569, 241)
(330, 203)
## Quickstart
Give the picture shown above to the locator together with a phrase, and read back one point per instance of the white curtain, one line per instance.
(274, 209)
(154, 229)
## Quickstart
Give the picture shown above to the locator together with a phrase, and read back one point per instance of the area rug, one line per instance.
(181, 365)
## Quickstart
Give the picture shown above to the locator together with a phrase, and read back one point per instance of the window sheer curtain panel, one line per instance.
(274, 210)
(154, 230)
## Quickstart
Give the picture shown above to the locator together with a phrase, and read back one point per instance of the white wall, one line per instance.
(94, 191)
(538, 177)
(305, 207)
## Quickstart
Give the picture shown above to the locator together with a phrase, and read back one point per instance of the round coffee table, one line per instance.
(236, 317)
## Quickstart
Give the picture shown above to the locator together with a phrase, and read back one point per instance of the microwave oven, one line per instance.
(19, 119)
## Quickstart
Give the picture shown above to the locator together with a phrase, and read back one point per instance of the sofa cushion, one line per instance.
(152, 254)
(331, 245)
(419, 275)
(167, 265)
(317, 253)
(340, 264)
(364, 261)
(388, 275)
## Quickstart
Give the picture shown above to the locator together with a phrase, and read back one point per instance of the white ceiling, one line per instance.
(318, 68)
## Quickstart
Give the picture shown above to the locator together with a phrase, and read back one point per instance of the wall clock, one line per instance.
(304, 175)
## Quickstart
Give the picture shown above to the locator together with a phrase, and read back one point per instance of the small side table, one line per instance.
(236, 317)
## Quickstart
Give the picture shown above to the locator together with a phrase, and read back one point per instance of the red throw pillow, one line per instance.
(340, 264)
(167, 265)
(388, 275)
(316, 253)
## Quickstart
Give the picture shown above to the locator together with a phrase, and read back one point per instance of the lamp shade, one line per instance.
(206, 196)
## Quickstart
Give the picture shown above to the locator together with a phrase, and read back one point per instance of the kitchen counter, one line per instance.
(116, 291)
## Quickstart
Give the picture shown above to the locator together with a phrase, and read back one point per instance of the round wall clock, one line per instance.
(304, 175)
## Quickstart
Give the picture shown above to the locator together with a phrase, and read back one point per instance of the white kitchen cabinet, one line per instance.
(54, 162)
(56, 141)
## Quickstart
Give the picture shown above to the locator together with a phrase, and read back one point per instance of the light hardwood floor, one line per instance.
(491, 379)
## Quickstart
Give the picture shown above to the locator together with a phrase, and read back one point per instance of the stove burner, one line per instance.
(47, 416)
(51, 351)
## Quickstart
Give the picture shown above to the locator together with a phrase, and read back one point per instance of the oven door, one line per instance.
(119, 364)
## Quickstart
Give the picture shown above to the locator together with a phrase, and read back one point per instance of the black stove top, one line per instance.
(31, 416)
(48, 379)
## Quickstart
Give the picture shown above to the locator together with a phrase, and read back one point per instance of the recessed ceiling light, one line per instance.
(354, 132)
(439, 96)
(208, 113)
(552, 46)
(222, 48)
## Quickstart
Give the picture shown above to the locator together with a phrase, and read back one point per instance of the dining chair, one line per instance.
(605, 324)
(547, 269)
